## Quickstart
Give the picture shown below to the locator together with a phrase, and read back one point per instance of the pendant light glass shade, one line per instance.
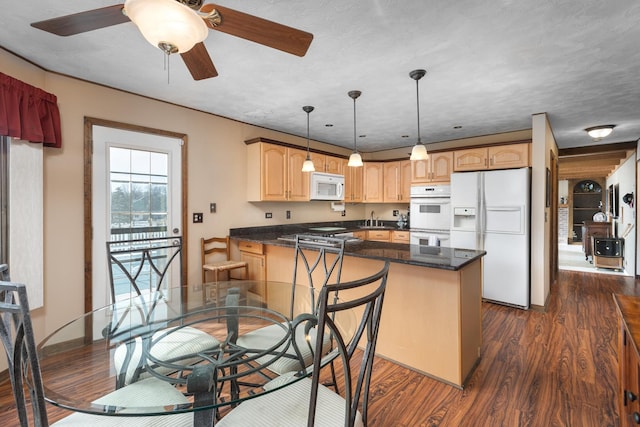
(308, 166)
(355, 160)
(167, 24)
(419, 151)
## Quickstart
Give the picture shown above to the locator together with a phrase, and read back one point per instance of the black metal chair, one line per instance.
(315, 261)
(307, 401)
(142, 269)
(17, 336)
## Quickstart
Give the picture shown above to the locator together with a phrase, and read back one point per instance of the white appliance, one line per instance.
(430, 209)
(490, 211)
(326, 186)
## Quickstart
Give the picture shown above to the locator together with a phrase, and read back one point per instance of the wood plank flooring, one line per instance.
(557, 368)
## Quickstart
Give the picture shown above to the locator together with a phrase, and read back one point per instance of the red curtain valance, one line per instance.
(29, 113)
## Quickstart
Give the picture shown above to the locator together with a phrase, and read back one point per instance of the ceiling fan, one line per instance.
(147, 15)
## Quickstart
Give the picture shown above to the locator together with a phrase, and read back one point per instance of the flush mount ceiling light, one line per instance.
(355, 159)
(307, 166)
(167, 24)
(599, 132)
(419, 151)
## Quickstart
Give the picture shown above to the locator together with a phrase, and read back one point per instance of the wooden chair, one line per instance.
(210, 247)
(17, 337)
(307, 402)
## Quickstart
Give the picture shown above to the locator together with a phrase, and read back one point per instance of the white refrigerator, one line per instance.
(490, 211)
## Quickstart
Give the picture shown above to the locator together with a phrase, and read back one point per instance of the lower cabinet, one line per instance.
(253, 254)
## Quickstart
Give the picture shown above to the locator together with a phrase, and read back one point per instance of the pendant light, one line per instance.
(355, 160)
(307, 166)
(419, 151)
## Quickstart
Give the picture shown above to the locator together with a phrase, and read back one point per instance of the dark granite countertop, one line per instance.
(425, 256)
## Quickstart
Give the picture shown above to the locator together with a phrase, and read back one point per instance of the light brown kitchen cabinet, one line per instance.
(274, 173)
(373, 182)
(397, 181)
(400, 236)
(334, 165)
(362, 235)
(437, 168)
(493, 157)
(253, 254)
(379, 235)
(509, 156)
(326, 163)
(353, 186)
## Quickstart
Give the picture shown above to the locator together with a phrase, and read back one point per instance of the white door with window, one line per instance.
(136, 194)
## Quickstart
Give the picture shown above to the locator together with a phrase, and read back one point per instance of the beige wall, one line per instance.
(543, 143)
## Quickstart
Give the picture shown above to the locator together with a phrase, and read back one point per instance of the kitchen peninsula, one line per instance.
(432, 315)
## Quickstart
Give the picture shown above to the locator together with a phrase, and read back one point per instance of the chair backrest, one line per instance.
(143, 266)
(364, 297)
(215, 245)
(16, 334)
(322, 262)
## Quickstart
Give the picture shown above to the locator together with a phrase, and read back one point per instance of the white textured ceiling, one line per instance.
(490, 66)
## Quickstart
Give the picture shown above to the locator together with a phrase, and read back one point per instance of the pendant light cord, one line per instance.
(418, 109)
(355, 144)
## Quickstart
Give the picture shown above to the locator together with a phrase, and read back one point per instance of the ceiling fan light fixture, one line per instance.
(308, 166)
(167, 24)
(355, 160)
(599, 132)
(419, 151)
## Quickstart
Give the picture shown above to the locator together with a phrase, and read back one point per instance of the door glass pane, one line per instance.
(138, 183)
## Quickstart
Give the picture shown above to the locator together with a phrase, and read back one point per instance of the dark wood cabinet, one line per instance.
(591, 229)
(628, 308)
(587, 200)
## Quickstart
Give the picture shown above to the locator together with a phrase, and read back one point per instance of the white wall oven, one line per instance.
(430, 215)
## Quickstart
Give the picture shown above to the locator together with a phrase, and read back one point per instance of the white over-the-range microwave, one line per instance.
(326, 186)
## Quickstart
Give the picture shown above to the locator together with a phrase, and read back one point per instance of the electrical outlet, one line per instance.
(197, 217)
(288, 214)
(396, 212)
(212, 207)
(268, 215)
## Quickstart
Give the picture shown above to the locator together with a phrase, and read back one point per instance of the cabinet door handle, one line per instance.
(631, 397)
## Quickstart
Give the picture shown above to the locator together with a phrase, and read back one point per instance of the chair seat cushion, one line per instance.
(147, 393)
(267, 336)
(224, 265)
(183, 342)
(289, 407)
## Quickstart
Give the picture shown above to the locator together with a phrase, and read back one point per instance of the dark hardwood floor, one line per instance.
(557, 368)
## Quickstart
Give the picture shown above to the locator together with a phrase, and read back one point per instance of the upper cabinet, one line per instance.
(437, 168)
(274, 173)
(328, 164)
(352, 183)
(397, 181)
(373, 182)
(494, 157)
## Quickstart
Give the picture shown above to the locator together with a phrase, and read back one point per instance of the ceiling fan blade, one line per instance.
(268, 33)
(199, 62)
(84, 21)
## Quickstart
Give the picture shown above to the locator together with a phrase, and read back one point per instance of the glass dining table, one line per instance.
(82, 361)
